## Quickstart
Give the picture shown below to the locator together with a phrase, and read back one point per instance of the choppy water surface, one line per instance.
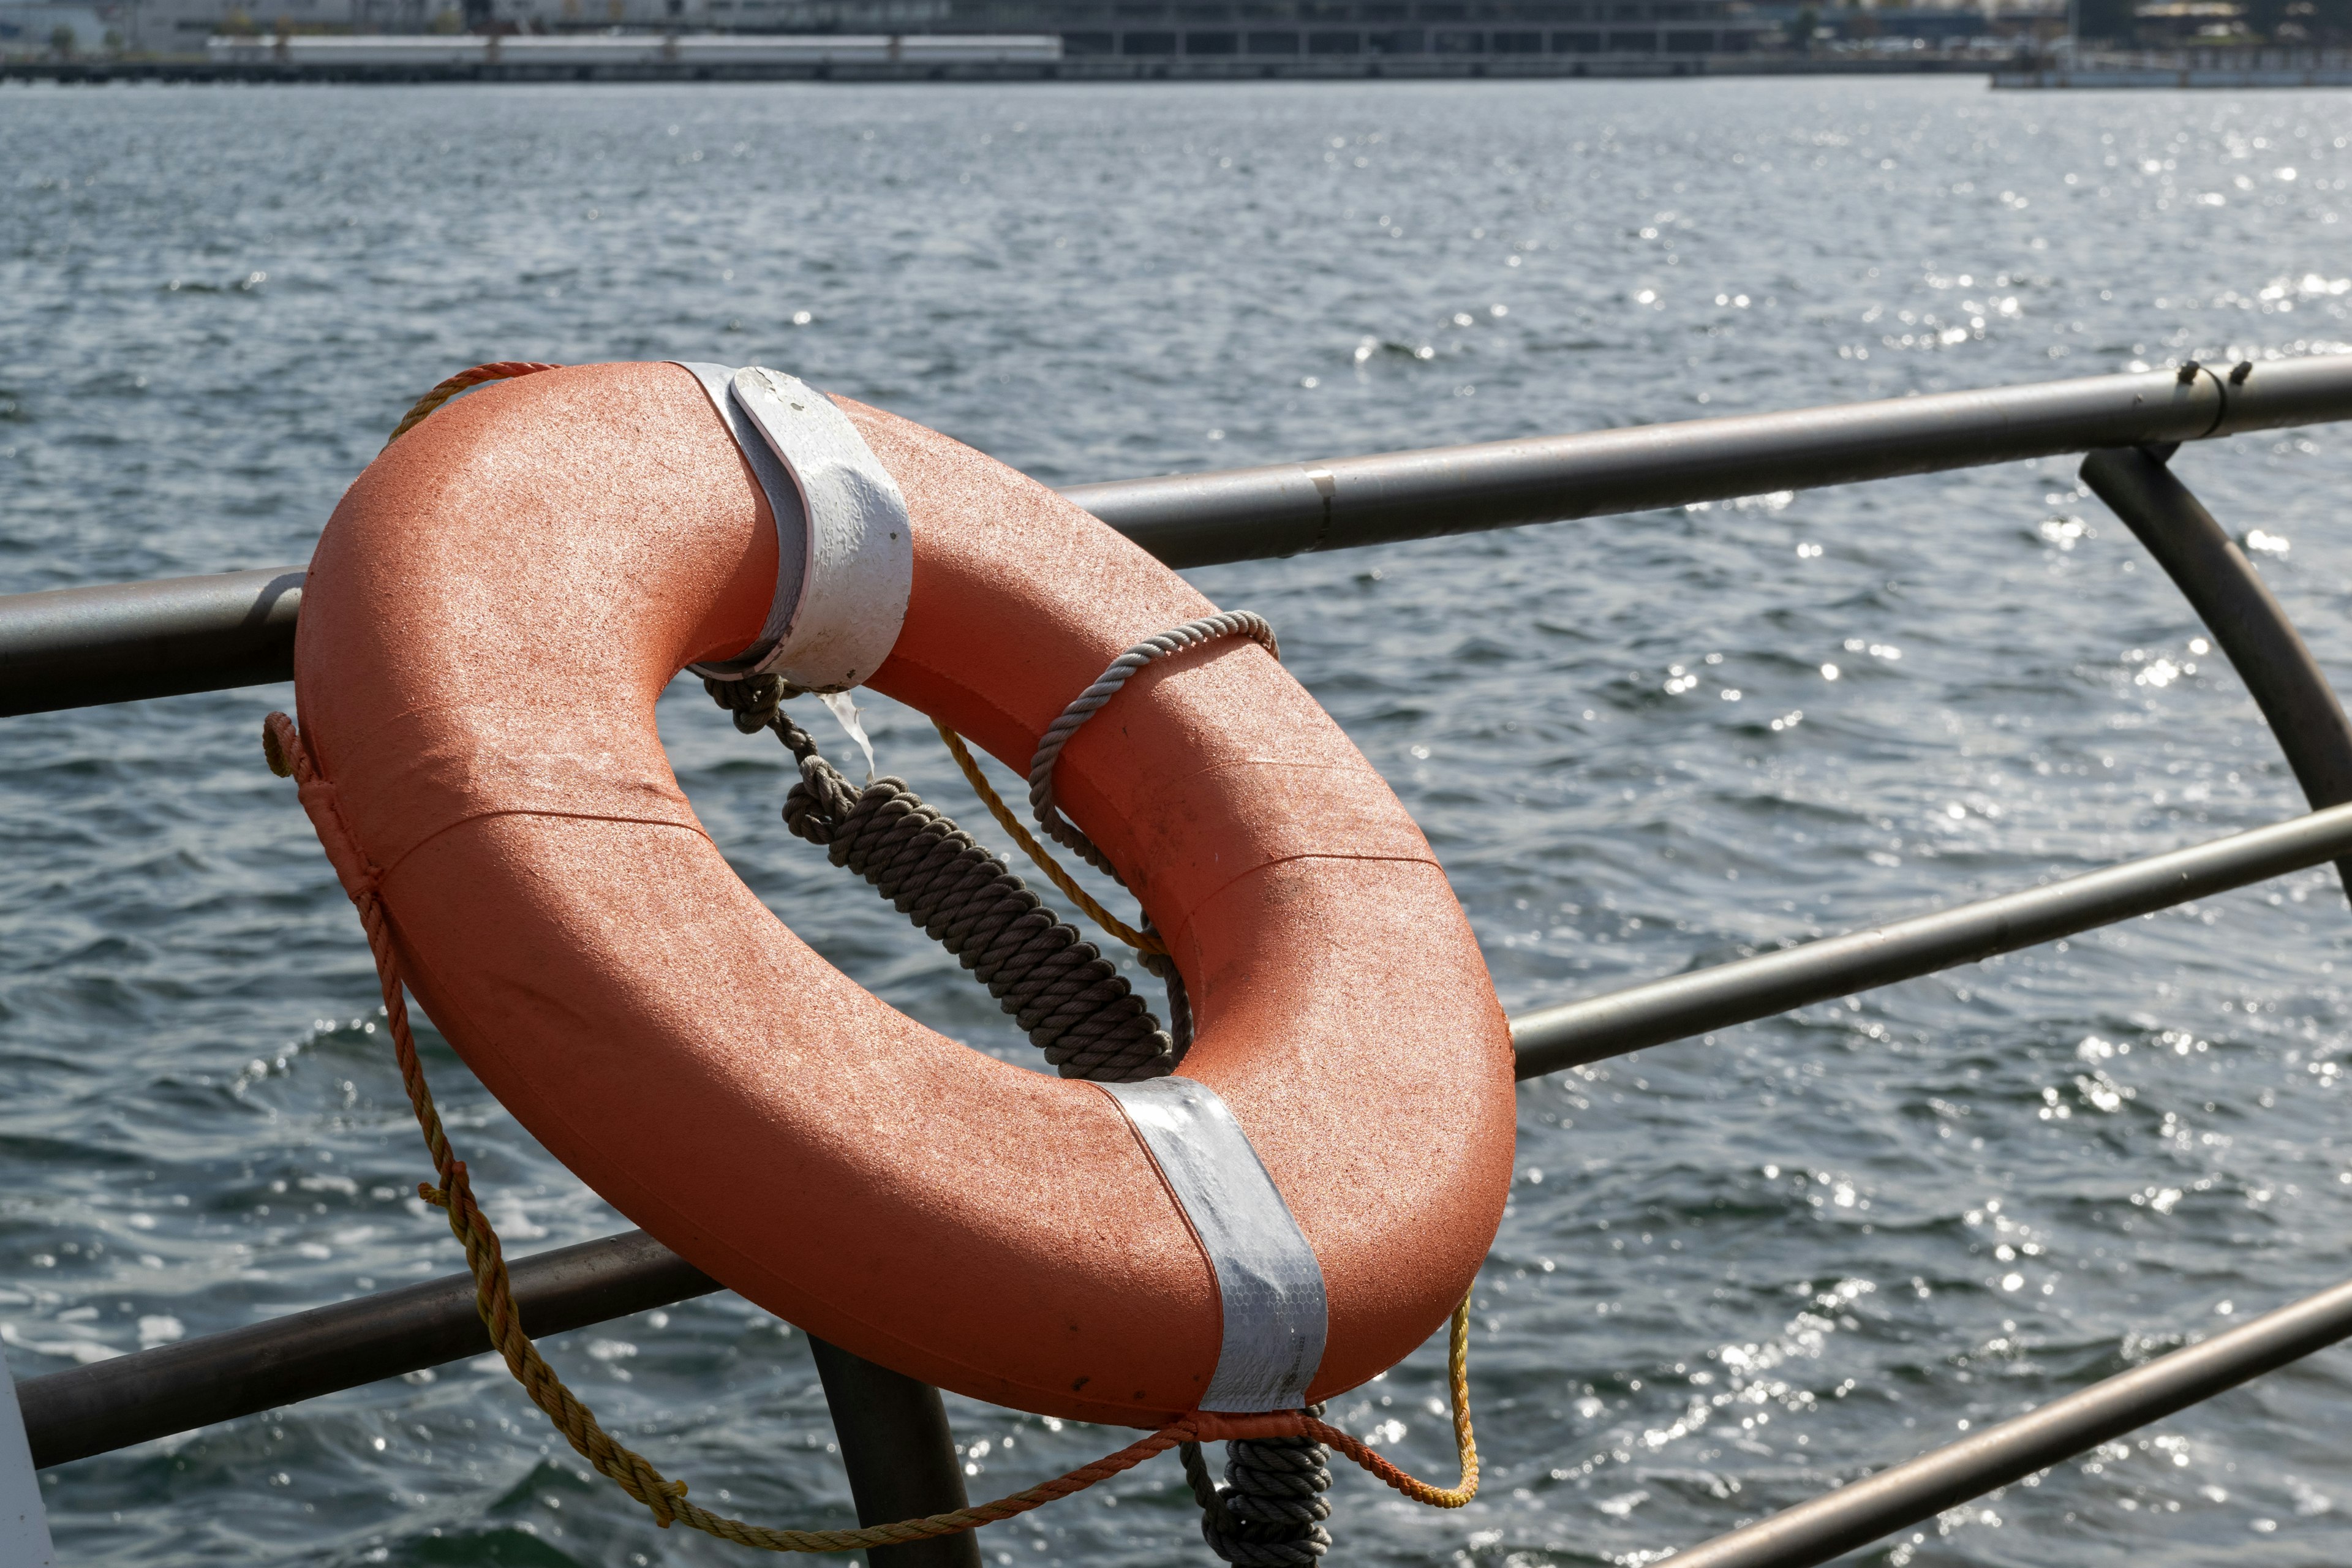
(1736, 1273)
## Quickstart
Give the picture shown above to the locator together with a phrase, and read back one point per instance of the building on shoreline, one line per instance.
(1184, 37)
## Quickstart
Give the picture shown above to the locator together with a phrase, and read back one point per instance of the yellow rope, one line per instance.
(502, 370)
(1142, 942)
(1465, 1442)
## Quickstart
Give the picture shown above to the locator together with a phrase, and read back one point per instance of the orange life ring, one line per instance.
(488, 619)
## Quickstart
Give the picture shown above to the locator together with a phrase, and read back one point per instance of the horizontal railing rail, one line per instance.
(1195, 519)
(1907, 1494)
(128, 1399)
(1681, 1005)
(153, 1393)
(75, 646)
(123, 642)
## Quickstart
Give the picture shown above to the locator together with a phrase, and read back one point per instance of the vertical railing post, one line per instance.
(902, 1460)
(2249, 625)
(23, 1522)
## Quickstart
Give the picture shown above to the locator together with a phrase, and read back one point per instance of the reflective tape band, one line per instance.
(1268, 1279)
(860, 567)
(783, 501)
(845, 551)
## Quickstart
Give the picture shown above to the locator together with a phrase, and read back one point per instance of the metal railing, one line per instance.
(73, 646)
(78, 646)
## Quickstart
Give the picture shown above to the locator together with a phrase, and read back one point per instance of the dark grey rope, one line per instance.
(1069, 999)
(1066, 997)
(1270, 1512)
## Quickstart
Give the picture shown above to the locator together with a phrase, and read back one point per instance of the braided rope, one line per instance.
(1039, 856)
(1150, 947)
(1065, 995)
(502, 370)
(1192, 634)
(1271, 1513)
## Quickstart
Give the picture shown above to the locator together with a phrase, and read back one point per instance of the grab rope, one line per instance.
(1070, 1000)
(1088, 703)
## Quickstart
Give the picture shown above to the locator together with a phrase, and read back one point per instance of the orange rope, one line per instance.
(1465, 1443)
(503, 370)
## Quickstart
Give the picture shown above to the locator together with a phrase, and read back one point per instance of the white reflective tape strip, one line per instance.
(1267, 1278)
(24, 1525)
(861, 549)
(783, 501)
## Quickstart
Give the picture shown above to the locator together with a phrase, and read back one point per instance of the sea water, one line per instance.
(1735, 1272)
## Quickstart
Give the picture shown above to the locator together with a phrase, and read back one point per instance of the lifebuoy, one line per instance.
(488, 619)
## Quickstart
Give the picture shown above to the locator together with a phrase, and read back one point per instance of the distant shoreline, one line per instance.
(203, 71)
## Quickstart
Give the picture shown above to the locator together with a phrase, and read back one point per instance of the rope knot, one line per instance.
(662, 1501)
(752, 701)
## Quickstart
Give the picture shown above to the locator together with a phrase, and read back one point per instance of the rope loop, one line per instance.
(1160, 645)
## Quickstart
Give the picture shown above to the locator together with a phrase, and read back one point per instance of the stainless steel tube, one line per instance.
(1687, 1004)
(72, 647)
(1860, 1511)
(1195, 519)
(2245, 617)
(171, 1388)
